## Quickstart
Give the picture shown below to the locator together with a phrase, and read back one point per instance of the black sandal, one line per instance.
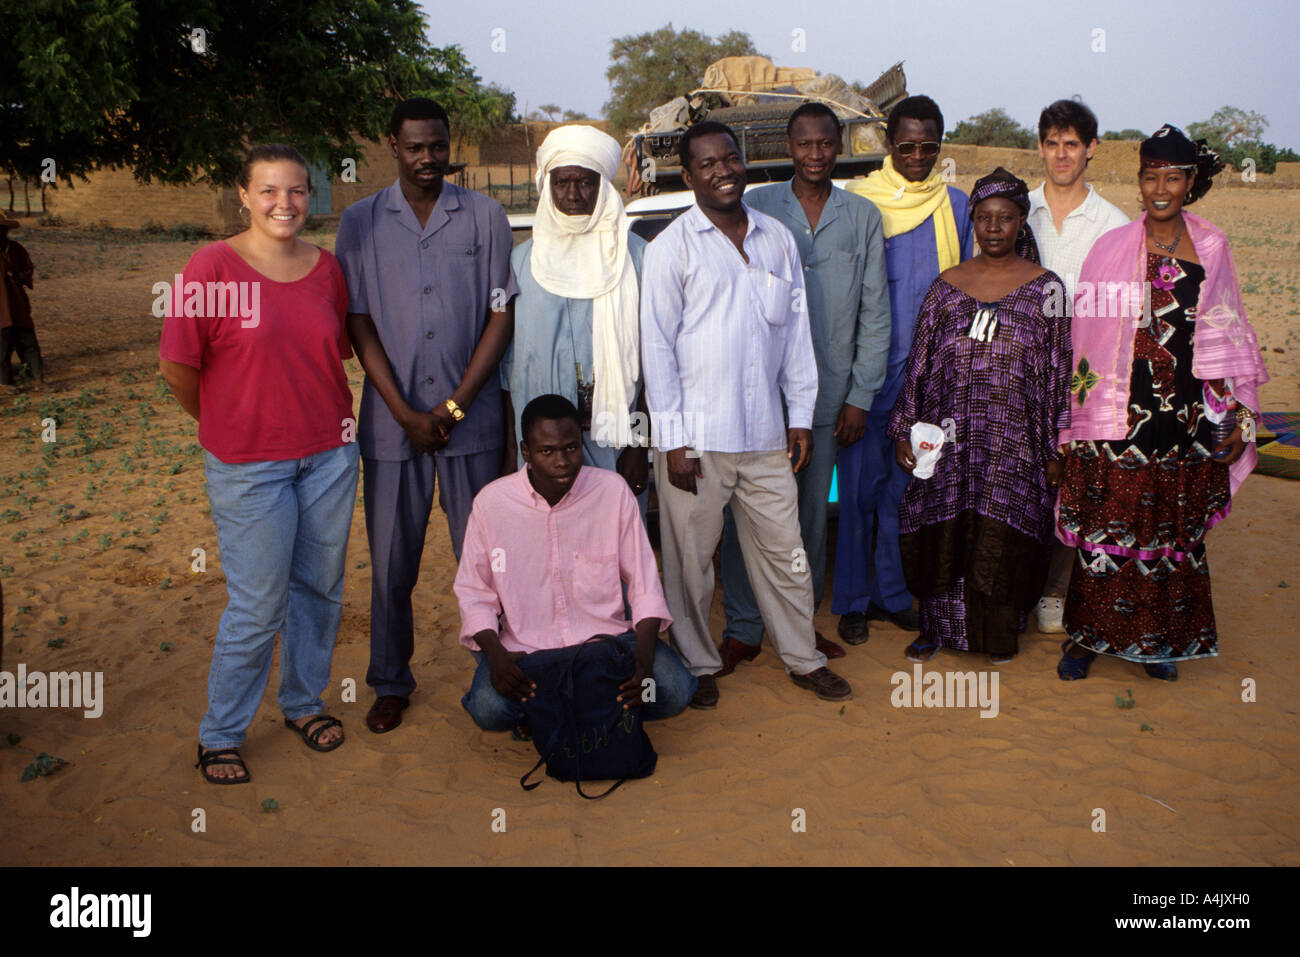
(321, 723)
(222, 756)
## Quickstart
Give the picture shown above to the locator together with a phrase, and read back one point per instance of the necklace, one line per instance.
(1172, 246)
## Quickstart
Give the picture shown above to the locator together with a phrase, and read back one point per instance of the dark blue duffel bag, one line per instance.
(580, 729)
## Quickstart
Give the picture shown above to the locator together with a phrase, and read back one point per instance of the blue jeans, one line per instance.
(282, 528)
(744, 623)
(674, 688)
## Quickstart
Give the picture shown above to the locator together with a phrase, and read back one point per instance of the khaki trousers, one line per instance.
(760, 488)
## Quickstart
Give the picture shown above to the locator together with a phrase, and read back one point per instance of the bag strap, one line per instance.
(577, 759)
(545, 756)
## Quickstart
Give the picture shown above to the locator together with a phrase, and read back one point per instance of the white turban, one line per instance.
(585, 257)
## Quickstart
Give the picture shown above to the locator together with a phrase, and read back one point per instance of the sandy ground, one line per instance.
(97, 533)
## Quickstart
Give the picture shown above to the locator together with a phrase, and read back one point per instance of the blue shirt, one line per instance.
(848, 293)
(552, 333)
(912, 262)
(428, 290)
(722, 340)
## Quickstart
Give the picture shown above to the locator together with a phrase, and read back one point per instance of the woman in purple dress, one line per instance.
(990, 365)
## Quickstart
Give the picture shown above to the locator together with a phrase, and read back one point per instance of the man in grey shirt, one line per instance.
(429, 315)
(841, 244)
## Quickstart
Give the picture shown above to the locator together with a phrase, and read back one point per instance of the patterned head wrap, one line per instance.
(1169, 147)
(1009, 186)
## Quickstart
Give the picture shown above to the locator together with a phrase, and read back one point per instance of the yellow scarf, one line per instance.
(904, 205)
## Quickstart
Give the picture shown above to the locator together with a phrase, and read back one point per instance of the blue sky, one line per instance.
(1173, 61)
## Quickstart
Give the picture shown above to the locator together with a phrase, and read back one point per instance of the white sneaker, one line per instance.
(1051, 616)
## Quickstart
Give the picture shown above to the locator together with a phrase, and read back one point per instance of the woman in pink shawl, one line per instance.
(1163, 410)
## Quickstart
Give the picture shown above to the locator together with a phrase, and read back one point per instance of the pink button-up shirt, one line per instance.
(551, 577)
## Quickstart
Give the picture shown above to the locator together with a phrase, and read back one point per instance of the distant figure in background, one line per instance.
(1067, 216)
(577, 332)
(17, 331)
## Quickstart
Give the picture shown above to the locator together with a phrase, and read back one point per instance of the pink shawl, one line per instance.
(1108, 309)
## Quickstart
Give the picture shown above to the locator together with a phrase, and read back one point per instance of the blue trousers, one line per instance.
(744, 623)
(674, 688)
(871, 488)
(282, 528)
(398, 501)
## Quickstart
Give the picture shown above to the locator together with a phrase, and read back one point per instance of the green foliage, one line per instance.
(129, 83)
(1238, 135)
(993, 127)
(1229, 126)
(1129, 134)
(649, 69)
(43, 766)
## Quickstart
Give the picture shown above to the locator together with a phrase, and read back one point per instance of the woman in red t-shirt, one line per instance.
(253, 346)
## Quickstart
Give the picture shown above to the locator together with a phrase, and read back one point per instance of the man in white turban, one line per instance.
(576, 317)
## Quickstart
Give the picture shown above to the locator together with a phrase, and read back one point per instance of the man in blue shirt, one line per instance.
(842, 248)
(429, 288)
(927, 230)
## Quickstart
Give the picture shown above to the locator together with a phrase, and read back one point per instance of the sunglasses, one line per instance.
(928, 148)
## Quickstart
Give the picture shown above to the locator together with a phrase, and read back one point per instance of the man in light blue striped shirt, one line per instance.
(724, 335)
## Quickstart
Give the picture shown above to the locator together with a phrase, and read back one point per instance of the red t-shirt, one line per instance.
(269, 354)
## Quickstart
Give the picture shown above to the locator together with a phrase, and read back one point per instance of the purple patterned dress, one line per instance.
(975, 537)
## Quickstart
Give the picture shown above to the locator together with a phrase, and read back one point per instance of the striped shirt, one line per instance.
(723, 340)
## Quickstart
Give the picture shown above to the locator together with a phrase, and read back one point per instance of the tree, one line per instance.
(573, 116)
(176, 90)
(1238, 136)
(550, 109)
(1229, 127)
(1129, 134)
(992, 128)
(649, 69)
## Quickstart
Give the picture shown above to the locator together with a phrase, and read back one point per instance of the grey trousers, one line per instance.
(398, 500)
(744, 623)
(760, 488)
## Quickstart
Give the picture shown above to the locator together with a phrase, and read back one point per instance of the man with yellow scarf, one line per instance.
(927, 230)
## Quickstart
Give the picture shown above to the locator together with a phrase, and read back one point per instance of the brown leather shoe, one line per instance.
(825, 684)
(733, 652)
(706, 695)
(386, 713)
(828, 647)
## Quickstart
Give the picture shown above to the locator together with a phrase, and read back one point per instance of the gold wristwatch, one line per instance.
(457, 413)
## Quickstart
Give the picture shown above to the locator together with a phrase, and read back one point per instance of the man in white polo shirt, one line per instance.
(1067, 216)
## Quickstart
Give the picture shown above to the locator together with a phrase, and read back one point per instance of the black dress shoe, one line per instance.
(386, 713)
(853, 628)
(706, 695)
(908, 619)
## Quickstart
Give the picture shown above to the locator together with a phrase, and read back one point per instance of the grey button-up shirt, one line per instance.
(428, 291)
(848, 293)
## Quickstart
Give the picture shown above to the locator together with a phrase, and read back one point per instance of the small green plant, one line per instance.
(43, 766)
(1125, 703)
(270, 804)
(55, 643)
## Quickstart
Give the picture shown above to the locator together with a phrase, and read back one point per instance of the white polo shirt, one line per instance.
(1064, 252)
